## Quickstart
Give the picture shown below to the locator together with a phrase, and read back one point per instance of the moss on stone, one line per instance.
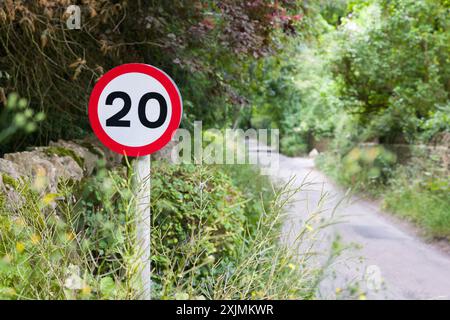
(92, 149)
(10, 181)
(2, 201)
(64, 152)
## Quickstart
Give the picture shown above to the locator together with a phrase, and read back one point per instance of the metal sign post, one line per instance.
(143, 222)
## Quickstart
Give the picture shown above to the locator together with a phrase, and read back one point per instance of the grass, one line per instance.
(48, 249)
(428, 210)
(421, 198)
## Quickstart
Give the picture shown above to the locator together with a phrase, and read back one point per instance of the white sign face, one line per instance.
(135, 134)
(135, 109)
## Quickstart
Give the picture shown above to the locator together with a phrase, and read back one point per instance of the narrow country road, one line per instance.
(386, 262)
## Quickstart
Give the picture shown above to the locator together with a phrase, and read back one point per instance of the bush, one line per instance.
(438, 122)
(214, 235)
(363, 168)
(421, 197)
(196, 205)
(293, 146)
(200, 251)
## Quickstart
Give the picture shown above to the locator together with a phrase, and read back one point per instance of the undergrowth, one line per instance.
(54, 246)
(214, 236)
(233, 253)
(421, 196)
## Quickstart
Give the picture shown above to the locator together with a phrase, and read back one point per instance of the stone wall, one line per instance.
(44, 167)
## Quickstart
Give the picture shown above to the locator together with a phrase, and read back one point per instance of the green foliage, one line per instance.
(293, 146)
(392, 65)
(53, 247)
(421, 197)
(214, 236)
(17, 117)
(273, 89)
(186, 202)
(106, 219)
(437, 122)
(258, 195)
(276, 98)
(295, 92)
(9, 181)
(365, 168)
(201, 251)
(333, 11)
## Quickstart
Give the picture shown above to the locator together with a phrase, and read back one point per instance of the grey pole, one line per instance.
(142, 180)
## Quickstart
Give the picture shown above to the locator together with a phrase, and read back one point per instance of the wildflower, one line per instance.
(49, 198)
(70, 236)
(20, 247)
(86, 290)
(35, 239)
(291, 266)
(362, 296)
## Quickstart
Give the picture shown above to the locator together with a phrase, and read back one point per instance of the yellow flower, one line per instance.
(20, 247)
(338, 290)
(70, 236)
(372, 154)
(291, 266)
(49, 198)
(86, 290)
(362, 296)
(35, 238)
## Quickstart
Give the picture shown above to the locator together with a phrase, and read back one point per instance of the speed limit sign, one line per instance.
(135, 109)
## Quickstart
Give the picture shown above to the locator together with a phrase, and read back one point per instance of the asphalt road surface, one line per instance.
(384, 261)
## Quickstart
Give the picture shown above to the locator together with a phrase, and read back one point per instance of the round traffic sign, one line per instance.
(135, 109)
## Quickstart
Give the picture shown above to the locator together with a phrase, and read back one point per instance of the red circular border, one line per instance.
(175, 99)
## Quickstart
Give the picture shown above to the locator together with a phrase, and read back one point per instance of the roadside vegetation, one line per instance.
(214, 236)
(372, 92)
